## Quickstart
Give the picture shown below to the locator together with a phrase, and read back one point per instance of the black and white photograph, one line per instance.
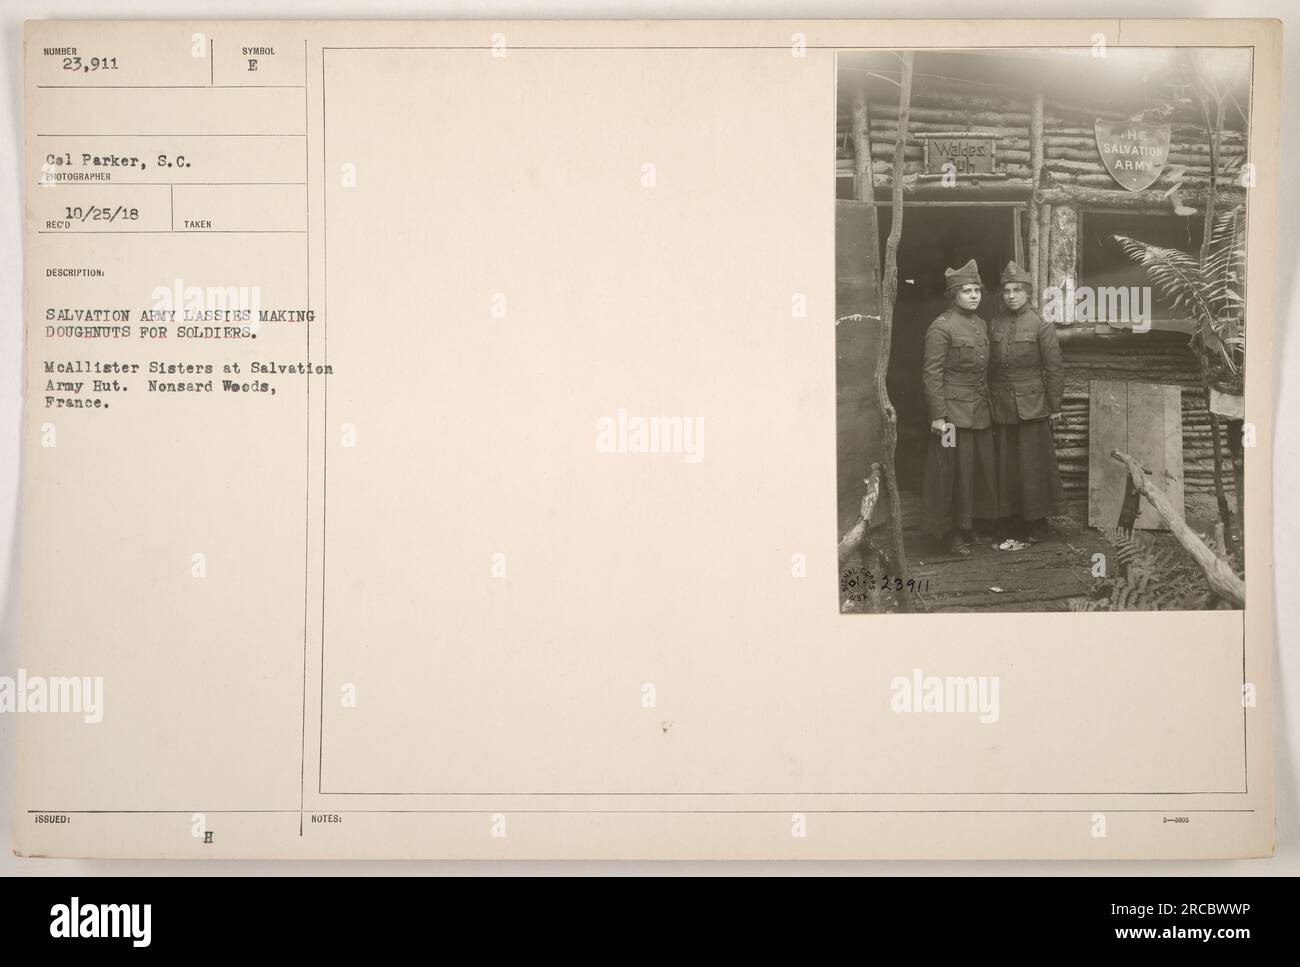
(1041, 321)
(426, 424)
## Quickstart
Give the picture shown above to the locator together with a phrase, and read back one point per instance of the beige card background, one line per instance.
(481, 696)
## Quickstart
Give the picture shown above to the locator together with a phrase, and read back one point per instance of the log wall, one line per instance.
(1070, 153)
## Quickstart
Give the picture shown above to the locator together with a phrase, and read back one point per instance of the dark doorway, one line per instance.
(935, 237)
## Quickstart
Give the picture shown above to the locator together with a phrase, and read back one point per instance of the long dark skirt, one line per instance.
(960, 482)
(1029, 483)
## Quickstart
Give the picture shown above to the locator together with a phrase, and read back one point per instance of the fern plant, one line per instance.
(1148, 577)
(1213, 293)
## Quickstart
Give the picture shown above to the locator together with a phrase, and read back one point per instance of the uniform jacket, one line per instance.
(955, 372)
(1026, 373)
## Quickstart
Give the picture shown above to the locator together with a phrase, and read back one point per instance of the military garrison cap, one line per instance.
(966, 275)
(1014, 273)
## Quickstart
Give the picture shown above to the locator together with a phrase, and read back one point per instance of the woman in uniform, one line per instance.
(1026, 383)
(960, 482)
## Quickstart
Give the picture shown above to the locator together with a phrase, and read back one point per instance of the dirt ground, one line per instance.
(1038, 577)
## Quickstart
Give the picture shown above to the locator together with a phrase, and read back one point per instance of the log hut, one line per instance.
(1002, 160)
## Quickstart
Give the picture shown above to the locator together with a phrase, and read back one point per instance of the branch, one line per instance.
(853, 539)
(888, 298)
(1222, 579)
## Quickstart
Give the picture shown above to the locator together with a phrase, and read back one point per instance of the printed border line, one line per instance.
(1235, 792)
(325, 301)
(306, 522)
(603, 812)
(837, 49)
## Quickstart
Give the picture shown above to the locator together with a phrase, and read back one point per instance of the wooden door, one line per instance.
(1144, 420)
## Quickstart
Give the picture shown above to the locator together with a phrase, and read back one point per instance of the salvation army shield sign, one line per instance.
(1134, 154)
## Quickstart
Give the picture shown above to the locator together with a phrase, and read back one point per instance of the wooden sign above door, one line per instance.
(967, 154)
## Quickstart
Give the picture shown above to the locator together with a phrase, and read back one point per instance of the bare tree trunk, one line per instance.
(874, 572)
(1213, 127)
(888, 296)
(1239, 483)
(1225, 514)
(1035, 173)
(1044, 251)
(864, 182)
(857, 534)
